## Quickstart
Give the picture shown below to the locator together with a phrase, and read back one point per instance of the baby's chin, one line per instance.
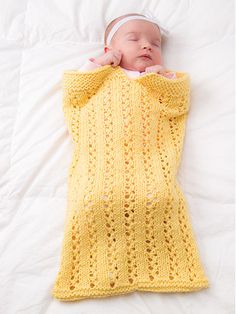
(140, 66)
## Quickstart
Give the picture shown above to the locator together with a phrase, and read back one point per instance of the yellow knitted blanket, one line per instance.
(127, 226)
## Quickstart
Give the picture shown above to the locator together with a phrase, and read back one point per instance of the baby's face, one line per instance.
(135, 38)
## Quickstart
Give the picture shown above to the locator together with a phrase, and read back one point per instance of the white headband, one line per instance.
(149, 17)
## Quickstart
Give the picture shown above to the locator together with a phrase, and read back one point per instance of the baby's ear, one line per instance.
(106, 49)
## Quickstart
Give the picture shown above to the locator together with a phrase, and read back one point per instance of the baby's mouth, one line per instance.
(145, 56)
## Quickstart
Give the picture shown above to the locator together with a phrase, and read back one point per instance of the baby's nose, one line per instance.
(147, 46)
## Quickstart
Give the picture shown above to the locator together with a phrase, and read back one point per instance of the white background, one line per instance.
(39, 39)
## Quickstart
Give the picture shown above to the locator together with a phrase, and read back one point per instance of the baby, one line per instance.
(127, 226)
(133, 44)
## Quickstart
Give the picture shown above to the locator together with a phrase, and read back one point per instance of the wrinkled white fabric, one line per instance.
(39, 40)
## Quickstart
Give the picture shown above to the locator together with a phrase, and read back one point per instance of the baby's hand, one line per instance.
(156, 69)
(160, 70)
(112, 57)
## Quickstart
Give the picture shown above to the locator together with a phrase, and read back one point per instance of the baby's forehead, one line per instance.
(140, 27)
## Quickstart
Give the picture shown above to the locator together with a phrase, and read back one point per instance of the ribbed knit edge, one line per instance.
(178, 287)
(181, 76)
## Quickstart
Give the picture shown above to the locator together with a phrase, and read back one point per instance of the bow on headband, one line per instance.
(155, 20)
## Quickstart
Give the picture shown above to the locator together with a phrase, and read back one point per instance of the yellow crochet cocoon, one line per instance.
(127, 226)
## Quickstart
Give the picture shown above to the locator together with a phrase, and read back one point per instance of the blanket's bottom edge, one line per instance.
(66, 295)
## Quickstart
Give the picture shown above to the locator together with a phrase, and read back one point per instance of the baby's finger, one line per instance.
(161, 70)
(150, 69)
(117, 53)
(115, 61)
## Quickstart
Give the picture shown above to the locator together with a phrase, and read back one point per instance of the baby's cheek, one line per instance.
(157, 57)
(129, 59)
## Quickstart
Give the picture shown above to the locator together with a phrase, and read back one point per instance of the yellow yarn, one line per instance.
(127, 226)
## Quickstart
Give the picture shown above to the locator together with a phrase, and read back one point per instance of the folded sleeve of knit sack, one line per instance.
(78, 87)
(90, 64)
(172, 96)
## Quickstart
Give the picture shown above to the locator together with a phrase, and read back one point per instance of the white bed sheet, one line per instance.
(39, 39)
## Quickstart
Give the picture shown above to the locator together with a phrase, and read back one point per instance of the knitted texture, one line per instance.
(127, 226)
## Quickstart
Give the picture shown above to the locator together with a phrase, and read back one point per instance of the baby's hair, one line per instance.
(111, 24)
